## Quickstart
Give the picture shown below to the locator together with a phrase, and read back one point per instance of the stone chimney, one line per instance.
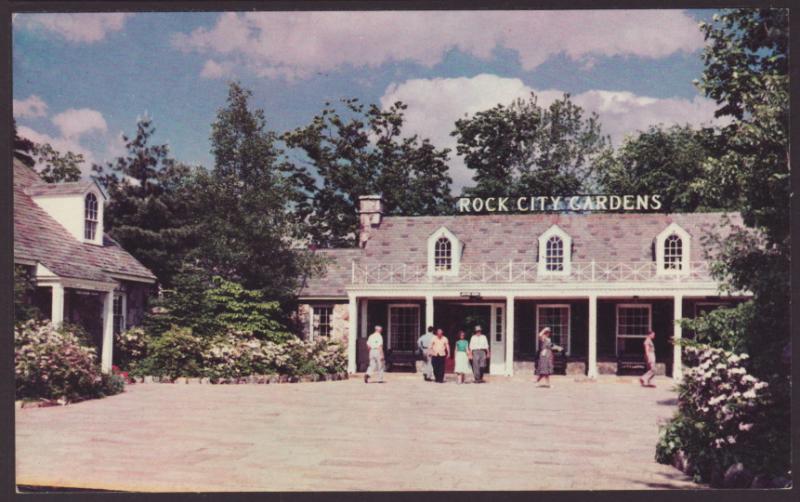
(370, 213)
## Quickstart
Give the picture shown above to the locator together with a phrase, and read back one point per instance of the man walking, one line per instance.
(375, 344)
(650, 359)
(439, 350)
(479, 353)
(424, 344)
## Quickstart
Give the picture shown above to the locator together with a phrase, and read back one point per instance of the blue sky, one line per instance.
(82, 79)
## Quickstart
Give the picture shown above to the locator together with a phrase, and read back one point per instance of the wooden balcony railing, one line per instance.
(524, 272)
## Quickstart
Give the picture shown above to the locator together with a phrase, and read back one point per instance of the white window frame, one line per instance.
(567, 346)
(87, 220)
(312, 330)
(686, 250)
(455, 250)
(124, 311)
(617, 336)
(566, 241)
(388, 341)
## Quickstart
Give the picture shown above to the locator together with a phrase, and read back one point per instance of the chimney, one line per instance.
(370, 213)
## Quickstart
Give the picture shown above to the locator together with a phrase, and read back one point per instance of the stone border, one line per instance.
(252, 379)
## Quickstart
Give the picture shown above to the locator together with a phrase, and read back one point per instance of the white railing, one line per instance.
(524, 272)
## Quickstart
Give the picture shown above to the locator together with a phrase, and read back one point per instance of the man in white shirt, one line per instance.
(424, 344)
(479, 353)
(375, 344)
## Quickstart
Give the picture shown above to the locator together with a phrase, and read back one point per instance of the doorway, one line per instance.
(452, 317)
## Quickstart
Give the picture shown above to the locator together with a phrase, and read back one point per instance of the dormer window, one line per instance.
(444, 253)
(672, 251)
(90, 217)
(555, 254)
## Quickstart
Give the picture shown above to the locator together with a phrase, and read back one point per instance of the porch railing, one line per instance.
(524, 272)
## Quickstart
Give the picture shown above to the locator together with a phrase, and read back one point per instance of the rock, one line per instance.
(204, 380)
(272, 379)
(737, 476)
(575, 368)
(283, 378)
(294, 379)
(147, 379)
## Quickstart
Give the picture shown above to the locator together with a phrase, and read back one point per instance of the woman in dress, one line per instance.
(544, 366)
(462, 361)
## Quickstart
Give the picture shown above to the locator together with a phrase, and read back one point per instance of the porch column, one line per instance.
(352, 311)
(428, 313)
(592, 369)
(677, 363)
(107, 353)
(510, 335)
(364, 304)
(57, 305)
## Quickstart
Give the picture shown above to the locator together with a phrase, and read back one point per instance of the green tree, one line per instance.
(525, 149)
(361, 150)
(249, 227)
(23, 147)
(57, 167)
(24, 288)
(151, 211)
(664, 161)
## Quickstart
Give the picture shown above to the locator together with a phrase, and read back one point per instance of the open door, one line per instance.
(497, 340)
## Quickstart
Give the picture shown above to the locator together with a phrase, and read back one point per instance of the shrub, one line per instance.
(52, 364)
(725, 415)
(174, 354)
(130, 346)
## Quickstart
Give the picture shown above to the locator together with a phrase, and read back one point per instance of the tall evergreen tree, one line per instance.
(359, 150)
(526, 149)
(150, 211)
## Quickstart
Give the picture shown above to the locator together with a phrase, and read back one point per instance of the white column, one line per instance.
(677, 363)
(428, 313)
(352, 307)
(510, 335)
(592, 369)
(107, 353)
(364, 304)
(57, 305)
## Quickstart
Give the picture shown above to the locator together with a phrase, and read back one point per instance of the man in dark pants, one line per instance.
(439, 350)
(479, 353)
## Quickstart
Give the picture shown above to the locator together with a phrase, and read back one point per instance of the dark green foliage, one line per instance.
(524, 149)
(663, 161)
(175, 353)
(357, 150)
(57, 167)
(24, 287)
(23, 147)
(151, 210)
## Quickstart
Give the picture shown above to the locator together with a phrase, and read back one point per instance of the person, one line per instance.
(544, 366)
(439, 351)
(424, 343)
(650, 358)
(462, 360)
(479, 353)
(375, 344)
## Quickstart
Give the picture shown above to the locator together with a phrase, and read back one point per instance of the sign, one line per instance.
(544, 203)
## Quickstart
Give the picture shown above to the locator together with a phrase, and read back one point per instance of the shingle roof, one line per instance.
(39, 237)
(603, 237)
(41, 188)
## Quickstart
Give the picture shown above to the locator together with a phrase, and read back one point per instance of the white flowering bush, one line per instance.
(52, 363)
(130, 346)
(721, 408)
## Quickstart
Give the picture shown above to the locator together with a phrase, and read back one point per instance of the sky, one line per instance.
(82, 80)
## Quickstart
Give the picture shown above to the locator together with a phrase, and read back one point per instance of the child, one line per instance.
(462, 361)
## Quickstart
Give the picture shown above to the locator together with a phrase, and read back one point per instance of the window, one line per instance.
(403, 327)
(321, 321)
(673, 253)
(634, 321)
(554, 254)
(555, 317)
(498, 324)
(119, 313)
(443, 257)
(90, 217)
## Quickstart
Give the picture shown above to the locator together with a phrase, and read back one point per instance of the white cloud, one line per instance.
(60, 144)
(78, 27)
(76, 122)
(32, 107)
(212, 69)
(298, 44)
(435, 104)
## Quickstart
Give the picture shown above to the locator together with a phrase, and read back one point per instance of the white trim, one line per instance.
(124, 309)
(568, 344)
(455, 250)
(566, 241)
(617, 336)
(686, 250)
(591, 371)
(134, 278)
(677, 354)
(389, 307)
(352, 332)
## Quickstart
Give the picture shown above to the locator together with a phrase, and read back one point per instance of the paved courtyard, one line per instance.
(405, 434)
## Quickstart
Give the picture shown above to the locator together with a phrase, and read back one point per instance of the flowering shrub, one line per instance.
(53, 364)
(130, 346)
(722, 415)
(174, 354)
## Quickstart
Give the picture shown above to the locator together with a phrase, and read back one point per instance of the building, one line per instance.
(600, 281)
(81, 275)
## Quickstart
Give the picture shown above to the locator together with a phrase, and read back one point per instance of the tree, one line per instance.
(524, 149)
(150, 210)
(23, 147)
(249, 226)
(57, 167)
(664, 161)
(361, 150)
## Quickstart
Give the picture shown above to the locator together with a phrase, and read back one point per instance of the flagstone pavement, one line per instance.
(405, 434)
